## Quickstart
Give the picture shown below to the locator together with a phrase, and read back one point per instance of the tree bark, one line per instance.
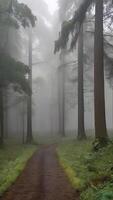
(29, 99)
(99, 94)
(81, 129)
(63, 97)
(59, 100)
(5, 99)
(61, 88)
(23, 121)
(1, 117)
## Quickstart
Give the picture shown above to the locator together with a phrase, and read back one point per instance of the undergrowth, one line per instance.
(90, 172)
(12, 161)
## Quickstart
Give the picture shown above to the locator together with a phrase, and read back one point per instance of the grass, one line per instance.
(90, 172)
(47, 140)
(13, 158)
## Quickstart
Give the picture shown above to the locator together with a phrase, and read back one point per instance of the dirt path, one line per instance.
(42, 179)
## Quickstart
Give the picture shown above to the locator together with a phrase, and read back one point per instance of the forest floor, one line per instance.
(43, 179)
(13, 159)
(88, 171)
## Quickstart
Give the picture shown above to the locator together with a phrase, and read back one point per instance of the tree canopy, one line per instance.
(72, 26)
(12, 71)
(15, 14)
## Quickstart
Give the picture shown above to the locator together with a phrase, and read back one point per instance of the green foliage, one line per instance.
(94, 170)
(13, 13)
(12, 71)
(88, 194)
(61, 43)
(71, 154)
(24, 14)
(72, 27)
(12, 161)
(100, 143)
(104, 192)
(75, 181)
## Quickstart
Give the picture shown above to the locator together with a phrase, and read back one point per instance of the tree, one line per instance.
(99, 99)
(81, 128)
(74, 26)
(61, 91)
(18, 14)
(64, 6)
(13, 14)
(13, 72)
(29, 99)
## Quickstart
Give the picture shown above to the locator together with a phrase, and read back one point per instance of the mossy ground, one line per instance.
(90, 172)
(13, 158)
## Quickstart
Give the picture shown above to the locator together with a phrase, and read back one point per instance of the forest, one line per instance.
(56, 100)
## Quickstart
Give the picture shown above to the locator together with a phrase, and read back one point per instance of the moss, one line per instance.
(89, 171)
(75, 181)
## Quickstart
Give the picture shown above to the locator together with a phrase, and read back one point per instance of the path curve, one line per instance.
(42, 179)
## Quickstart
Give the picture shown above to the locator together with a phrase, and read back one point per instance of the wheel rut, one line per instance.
(42, 179)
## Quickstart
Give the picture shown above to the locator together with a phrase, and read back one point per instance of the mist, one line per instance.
(45, 73)
(56, 99)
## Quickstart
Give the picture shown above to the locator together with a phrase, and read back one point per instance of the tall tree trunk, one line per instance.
(81, 129)
(29, 120)
(23, 121)
(29, 99)
(5, 99)
(99, 96)
(59, 99)
(62, 94)
(63, 100)
(1, 117)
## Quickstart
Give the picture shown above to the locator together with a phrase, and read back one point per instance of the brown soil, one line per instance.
(42, 179)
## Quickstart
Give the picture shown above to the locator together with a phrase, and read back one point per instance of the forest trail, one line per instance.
(42, 179)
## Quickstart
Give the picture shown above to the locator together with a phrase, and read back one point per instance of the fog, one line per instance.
(56, 99)
(45, 73)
